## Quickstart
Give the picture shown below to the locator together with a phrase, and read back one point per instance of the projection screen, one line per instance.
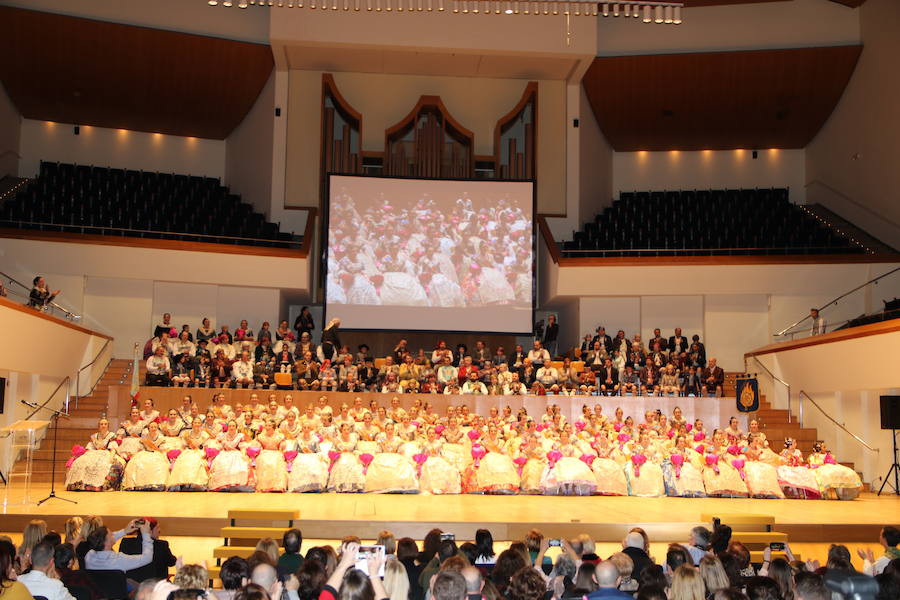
(433, 255)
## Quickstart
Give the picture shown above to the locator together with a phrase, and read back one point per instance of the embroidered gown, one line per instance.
(722, 479)
(438, 476)
(270, 467)
(189, 472)
(496, 473)
(130, 438)
(570, 476)
(230, 470)
(390, 471)
(99, 468)
(645, 480)
(760, 475)
(148, 470)
(346, 472)
(308, 472)
(685, 481)
(795, 479)
(608, 471)
(836, 481)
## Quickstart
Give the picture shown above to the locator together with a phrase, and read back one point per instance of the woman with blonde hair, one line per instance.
(687, 584)
(713, 574)
(90, 524)
(396, 581)
(270, 547)
(73, 530)
(191, 577)
(32, 535)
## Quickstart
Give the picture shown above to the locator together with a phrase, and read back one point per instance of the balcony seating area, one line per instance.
(705, 223)
(118, 202)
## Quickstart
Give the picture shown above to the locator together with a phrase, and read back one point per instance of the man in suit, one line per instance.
(658, 339)
(608, 379)
(480, 354)
(603, 339)
(516, 358)
(678, 342)
(818, 323)
(551, 334)
(633, 546)
(713, 378)
(162, 555)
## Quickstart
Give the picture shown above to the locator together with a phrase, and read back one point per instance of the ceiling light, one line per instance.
(213, 2)
(668, 14)
(615, 10)
(677, 16)
(647, 17)
(658, 14)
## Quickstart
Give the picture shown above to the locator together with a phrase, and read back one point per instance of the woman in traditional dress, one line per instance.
(645, 476)
(683, 471)
(230, 469)
(171, 428)
(733, 433)
(437, 475)
(290, 427)
(836, 481)
(189, 473)
(309, 470)
(391, 472)
(535, 463)
(99, 468)
(346, 471)
(720, 477)
(794, 477)
(454, 449)
(148, 470)
(496, 473)
(149, 413)
(568, 475)
(759, 472)
(129, 434)
(367, 430)
(270, 468)
(608, 466)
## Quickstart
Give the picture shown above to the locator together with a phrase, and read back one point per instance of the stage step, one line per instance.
(737, 520)
(264, 515)
(223, 552)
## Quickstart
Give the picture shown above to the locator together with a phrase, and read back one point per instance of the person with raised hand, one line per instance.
(346, 581)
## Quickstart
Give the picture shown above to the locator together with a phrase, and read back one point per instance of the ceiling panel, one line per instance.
(718, 100)
(73, 70)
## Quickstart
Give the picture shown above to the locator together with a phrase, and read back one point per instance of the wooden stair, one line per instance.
(248, 526)
(77, 429)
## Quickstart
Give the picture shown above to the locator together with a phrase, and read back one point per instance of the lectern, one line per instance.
(24, 436)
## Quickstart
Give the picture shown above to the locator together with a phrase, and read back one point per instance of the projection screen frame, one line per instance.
(323, 265)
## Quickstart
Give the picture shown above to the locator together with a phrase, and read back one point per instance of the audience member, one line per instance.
(233, 574)
(102, 556)
(10, 588)
(41, 580)
(162, 555)
(291, 560)
(76, 580)
(889, 538)
(633, 546)
(687, 584)
(607, 577)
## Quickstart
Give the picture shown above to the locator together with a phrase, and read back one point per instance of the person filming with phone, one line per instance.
(101, 556)
(350, 581)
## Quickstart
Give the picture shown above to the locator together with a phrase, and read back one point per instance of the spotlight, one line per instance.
(677, 16)
(658, 14)
(615, 10)
(213, 2)
(605, 9)
(668, 13)
(647, 17)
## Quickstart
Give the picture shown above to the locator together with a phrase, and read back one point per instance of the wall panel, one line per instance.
(613, 312)
(734, 323)
(669, 312)
(186, 302)
(121, 308)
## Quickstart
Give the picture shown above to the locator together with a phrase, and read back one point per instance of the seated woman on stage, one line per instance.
(366, 430)
(794, 477)
(129, 434)
(759, 472)
(149, 413)
(148, 470)
(346, 470)
(568, 475)
(720, 477)
(189, 473)
(733, 433)
(308, 472)
(836, 481)
(98, 468)
(496, 473)
(645, 477)
(682, 471)
(390, 471)
(437, 475)
(608, 467)
(230, 469)
(271, 469)
(171, 428)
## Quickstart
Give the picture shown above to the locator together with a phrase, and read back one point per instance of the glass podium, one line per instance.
(24, 437)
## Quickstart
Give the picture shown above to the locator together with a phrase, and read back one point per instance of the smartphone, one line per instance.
(362, 556)
(448, 536)
(139, 522)
(555, 543)
(777, 546)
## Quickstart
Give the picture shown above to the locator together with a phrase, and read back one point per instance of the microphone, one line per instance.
(27, 403)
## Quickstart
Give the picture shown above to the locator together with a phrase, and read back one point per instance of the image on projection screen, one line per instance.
(441, 255)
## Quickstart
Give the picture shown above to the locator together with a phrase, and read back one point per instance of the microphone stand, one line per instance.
(54, 421)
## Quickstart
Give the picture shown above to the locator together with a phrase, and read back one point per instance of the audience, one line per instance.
(162, 555)
(41, 580)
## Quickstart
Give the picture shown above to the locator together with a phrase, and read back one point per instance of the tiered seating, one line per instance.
(105, 201)
(705, 222)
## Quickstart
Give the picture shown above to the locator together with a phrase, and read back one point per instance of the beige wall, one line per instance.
(852, 162)
(383, 100)
(791, 24)
(120, 148)
(248, 152)
(10, 124)
(595, 164)
(709, 169)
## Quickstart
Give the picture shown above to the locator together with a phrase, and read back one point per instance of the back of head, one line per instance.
(653, 575)
(838, 551)
(251, 591)
(676, 556)
(474, 579)
(41, 556)
(270, 547)
(720, 538)
(623, 563)
(526, 584)
(259, 557)
(470, 551)
(448, 585)
(687, 584)
(891, 535)
(234, 570)
(454, 563)
(732, 569)
(33, 534)
(292, 540)
(508, 562)
(485, 543)
(701, 536)
(396, 581)
(763, 588)
(53, 538)
(810, 586)
(145, 589)
(607, 575)
(191, 577)
(386, 539)
(634, 540)
(587, 543)
(406, 548)
(533, 540)
(564, 566)
(713, 573)
(446, 550)
(430, 545)
(584, 578)
(312, 578)
(7, 556)
(356, 586)
(264, 575)
(652, 592)
(97, 539)
(63, 555)
(730, 594)
(740, 552)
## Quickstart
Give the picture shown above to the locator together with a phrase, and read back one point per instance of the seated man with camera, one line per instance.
(101, 556)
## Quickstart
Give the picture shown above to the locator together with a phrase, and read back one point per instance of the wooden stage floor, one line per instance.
(508, 517)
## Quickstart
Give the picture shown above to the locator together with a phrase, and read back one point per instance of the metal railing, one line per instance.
(65, 380)
(27, 295)
(153, 234)
(755, 251)
(78, 394)
(788, 330)
(830, 418)
(782, 382)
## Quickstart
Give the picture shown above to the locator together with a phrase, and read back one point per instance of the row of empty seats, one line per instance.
(105, 201)
(705, 222)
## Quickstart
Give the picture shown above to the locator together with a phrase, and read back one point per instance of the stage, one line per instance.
(330, 516)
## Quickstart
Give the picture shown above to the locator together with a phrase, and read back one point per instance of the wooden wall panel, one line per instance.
(718, 100)
(73, 70)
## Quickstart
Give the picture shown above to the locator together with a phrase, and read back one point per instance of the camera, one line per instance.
(448, 536)
(139, 522)
(777, 546)
(851, 586)
(555, 543)
(362, 557)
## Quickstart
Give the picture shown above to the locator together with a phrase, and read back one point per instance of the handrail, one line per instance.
(102, 228)
(677, 251)
(782, 382)
(835, 301)
(78, 394)
(830, 418)
(855, 203)
(69, 314)
(50, 397)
